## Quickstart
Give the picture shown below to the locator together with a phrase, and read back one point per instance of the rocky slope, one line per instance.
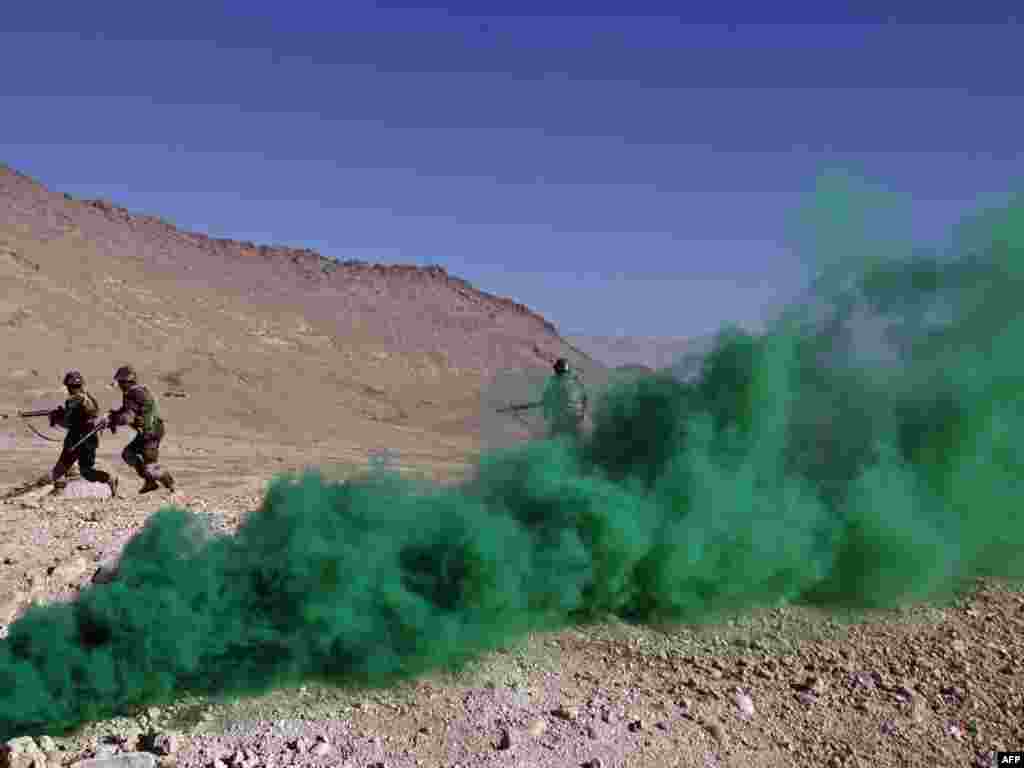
(262, 340)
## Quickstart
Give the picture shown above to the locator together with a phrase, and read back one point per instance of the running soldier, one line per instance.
(78, 416)
(139, 411)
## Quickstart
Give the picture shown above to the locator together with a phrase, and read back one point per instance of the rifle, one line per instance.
(516, 407)
(102, 425)
(33, 414)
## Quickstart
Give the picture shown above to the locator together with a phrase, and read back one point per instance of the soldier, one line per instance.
(139, 411)
(78, 417)
(564, 401)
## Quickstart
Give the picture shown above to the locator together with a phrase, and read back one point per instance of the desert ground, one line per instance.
(924, 686)
(270, 361)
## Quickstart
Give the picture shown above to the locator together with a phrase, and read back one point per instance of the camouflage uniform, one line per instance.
(79, 416)
(564, 402)
(139, 411)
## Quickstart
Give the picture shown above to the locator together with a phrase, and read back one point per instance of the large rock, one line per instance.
(22, 752)
(124, 760)
(107, 571)
(82, 489)
(70, 572)
(11, 603)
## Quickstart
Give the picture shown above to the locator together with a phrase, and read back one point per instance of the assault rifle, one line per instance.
(33, 414)
(104, 423)
(516, 407)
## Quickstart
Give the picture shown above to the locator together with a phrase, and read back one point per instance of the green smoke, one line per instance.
(861, 453)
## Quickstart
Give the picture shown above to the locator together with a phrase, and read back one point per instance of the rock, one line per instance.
(22, 752)
(537, 728)
(165, 743)
(321, 749)
(716, 730)
(11, 604)
(130, 739)
(106, 573)
(83, 489)
(505, 740)
(125, 760)
(567, 712)
(813, 684)
(864, 680)
(744, 703)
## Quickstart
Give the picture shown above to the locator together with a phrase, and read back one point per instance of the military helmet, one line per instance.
(126, 374)
(561, 366)
(74, 379)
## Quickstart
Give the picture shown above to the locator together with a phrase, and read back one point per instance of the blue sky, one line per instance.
(620, 174)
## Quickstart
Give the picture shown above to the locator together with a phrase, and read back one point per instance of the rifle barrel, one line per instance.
(518, 407)
(31, 414)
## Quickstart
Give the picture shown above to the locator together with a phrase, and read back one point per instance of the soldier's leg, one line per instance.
(132, 455)
(87, 464)
(58, 475)
(60, 469)
(151, 458)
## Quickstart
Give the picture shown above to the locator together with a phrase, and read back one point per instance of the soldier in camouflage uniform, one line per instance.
(564, 401)
(139, 411)
(78, 416)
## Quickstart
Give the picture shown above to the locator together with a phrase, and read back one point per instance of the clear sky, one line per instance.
(620, 174)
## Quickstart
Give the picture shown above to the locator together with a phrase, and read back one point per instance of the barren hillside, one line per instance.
(263, 340)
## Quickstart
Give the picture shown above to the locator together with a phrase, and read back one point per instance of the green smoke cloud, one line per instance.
(861, 453)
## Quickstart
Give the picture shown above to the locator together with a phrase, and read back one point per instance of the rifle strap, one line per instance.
(40, 434)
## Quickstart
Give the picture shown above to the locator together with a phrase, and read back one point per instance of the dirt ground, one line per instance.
(926, 686)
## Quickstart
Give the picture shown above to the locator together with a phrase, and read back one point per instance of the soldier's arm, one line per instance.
(58, 417)
(122, 415)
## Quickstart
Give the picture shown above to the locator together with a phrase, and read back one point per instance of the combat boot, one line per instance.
(149, 486)
(167, 481)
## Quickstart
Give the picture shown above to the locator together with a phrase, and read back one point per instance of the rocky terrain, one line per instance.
(269, 360)
(925, 686)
